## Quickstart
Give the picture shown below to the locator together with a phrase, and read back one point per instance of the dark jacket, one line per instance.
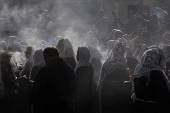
(70, 61)
(84, 77)
(6, 73)
(35, 71)
(54, 88)
(156, 91)
(131, 62)
(115, 93)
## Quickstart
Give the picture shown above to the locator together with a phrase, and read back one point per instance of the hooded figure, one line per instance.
(38, 63)
(3, 45)
(95, 61)
(66, 52)
(114, 94)
(84, 74)
(150, 83)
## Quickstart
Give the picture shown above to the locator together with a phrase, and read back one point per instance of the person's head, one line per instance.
(126, 36)
(60, 45)
(5, 58)
(118, 34)
(50, 53)
(29, 52)
(65, 48)
(38, 57)
(151, 59)
(83, 54)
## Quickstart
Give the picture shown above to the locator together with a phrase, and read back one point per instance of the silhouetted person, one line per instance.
(54, 87)
(7, 76)
(84, 74)
(114, 94)
(66, 52)
(38, 63)
(29, 63)
(151, 84)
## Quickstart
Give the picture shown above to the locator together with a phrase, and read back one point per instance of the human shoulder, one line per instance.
(84, 69)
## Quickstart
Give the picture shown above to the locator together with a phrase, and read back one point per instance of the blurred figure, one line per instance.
(151, 84)
(114, 24)
(95, 61)
(29, 63)
(3, 45)
(117, 34)
(84, 74)
(114, 94)
(102, 23)
(54, 86)
(8, 82)
(38, 63)
(66, 52)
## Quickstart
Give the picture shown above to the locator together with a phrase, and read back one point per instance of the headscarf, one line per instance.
(110, 45)
(123, 40)
(84, 57)
(117, 60)
(94, 53)
(152, 59)
(68, 49)
(38, 58)
(3, 45)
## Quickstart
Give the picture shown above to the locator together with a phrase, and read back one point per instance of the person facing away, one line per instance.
(114, 94)
(39, 62)
(150, 83)
(66, 52)
(7, 103)
(54, 87)
(29, 63)
(84, 75)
